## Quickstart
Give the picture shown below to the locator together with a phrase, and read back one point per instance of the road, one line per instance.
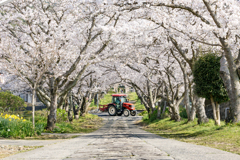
(120, 138)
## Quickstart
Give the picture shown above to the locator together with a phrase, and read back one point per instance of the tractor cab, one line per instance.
(119, 99)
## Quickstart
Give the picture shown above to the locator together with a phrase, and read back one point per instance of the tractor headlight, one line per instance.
(132, 106)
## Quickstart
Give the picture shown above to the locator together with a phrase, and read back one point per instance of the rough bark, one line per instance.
(150, 97)
(84, 108)
(216, 111)
(225, 75)
(70, 109)
(175, 113)
(200, 107)
(52, 117)
(234, 97)
(96, 99)
(218, 114)
(192, 113)
(79, 101)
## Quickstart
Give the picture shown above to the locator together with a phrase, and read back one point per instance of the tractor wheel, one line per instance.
(126, 112)
(133, 113)
(112, 111)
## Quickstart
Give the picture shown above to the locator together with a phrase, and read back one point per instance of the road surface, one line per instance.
(120, 138)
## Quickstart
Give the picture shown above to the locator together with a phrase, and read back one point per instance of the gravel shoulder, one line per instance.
(8, 150)
(10, 147)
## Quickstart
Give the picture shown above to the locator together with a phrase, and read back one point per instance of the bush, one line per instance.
(143, 113)
(183, 112)
(207, 78)
(62, 115)
(13, 126)
(152, 118)
(8, 100)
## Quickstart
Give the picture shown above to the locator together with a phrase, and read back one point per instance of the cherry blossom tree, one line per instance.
(211, 23)
(54, 31)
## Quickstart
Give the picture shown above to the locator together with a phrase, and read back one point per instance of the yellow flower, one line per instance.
(10, 119)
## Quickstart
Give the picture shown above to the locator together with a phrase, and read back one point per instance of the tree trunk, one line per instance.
(96, 99)
(234, 97)
(186, 88)
(175, 113)
(164, 108)
(70, 113)
(192, 113)
(159, 110)
(82, 105)
(142, 100)
(225, 75)
(200, 107)
(52, 117)
(150, 97)
(84, 110)
(33, 107)
(77, 111)
(85, 105)
(214, 110)
(218, 114)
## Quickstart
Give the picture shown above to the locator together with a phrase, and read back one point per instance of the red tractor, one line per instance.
(119, 106)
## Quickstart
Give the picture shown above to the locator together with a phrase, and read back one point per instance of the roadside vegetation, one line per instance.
(107, 98)
(10, 102)
(225, 137)
(19, 125)
(137, 102)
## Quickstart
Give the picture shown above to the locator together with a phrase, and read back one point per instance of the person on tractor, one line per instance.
(118, 103)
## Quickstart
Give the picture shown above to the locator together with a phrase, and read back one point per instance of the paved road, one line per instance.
(119, 138)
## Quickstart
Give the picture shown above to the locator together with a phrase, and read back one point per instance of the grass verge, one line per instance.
(225, 137)
(86, 124)
(133, 97)
(105, 100)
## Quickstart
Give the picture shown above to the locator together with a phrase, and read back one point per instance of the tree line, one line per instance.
(82, 48)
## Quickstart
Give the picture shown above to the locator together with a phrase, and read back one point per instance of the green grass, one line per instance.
(86, 124)
(24, 130)
(133, 97)
(106, 100)
(225, 137)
